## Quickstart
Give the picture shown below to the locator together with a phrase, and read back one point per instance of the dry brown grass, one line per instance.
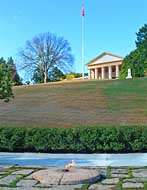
(79, 103)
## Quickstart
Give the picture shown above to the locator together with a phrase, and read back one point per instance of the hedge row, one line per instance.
(78, 140)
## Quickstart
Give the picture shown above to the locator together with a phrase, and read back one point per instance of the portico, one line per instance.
(105, 66)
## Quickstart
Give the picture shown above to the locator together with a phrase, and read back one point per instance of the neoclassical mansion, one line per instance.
(105, 66)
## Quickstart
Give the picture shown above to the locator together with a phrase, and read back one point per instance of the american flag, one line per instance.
(83, 12)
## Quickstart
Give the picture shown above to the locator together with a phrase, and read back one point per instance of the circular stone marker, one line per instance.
(58, 176)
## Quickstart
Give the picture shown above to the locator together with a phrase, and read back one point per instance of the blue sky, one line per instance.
(109, 25)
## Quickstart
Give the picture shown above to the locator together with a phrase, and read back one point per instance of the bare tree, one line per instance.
(46, 51)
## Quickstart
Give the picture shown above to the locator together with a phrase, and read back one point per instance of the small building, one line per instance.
(105, 66)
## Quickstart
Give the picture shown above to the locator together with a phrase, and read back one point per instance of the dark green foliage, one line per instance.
(8, 77)
(77, 75)
(56, 75)
(12, 139)
(13, 72)
(79, 140)
(38, 75)
(142, 37)
(141, 43)
(137, 59)
(136, 62)
(5, 82)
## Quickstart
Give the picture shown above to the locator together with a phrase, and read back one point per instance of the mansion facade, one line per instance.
(105, 66)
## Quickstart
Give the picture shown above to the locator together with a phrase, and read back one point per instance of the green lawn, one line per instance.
(110, 102)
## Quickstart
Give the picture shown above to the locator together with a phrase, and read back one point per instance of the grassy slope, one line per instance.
(115, 102)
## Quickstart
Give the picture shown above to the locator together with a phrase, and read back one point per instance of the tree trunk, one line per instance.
(45, 77)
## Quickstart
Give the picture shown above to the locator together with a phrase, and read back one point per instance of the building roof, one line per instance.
(104, 58)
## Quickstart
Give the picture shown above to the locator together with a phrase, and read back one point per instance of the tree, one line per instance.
(141, 43)
(13, 72)
(137, 59)
(56, 75)
(5, 81)
(45, 52)
(134, 61)
(142, 37)
(38, 75)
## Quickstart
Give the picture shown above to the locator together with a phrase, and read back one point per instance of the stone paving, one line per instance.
(111, 178)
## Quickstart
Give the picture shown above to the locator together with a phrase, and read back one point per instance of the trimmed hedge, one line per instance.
(77, 140)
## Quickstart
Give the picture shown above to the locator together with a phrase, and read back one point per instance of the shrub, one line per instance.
(69, 76)
(78, 140)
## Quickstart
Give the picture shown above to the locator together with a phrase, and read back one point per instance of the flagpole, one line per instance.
(83, 36)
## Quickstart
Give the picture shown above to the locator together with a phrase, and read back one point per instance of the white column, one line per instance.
(110, 72)
(92, 74)
(117, 71)
(103, 73)
(89, 74)
(96, 73)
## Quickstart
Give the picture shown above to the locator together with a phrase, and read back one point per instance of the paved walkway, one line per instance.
(118, 178)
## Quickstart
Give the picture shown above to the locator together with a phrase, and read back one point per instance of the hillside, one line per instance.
(115, 102)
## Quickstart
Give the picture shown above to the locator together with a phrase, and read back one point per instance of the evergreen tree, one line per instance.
(141, 41)
(134, 61)
(13, 72)
(56, 74)
(5, 81)
(38, 75)
(137, 59)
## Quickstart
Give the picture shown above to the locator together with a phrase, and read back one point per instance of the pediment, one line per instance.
(104, 58)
